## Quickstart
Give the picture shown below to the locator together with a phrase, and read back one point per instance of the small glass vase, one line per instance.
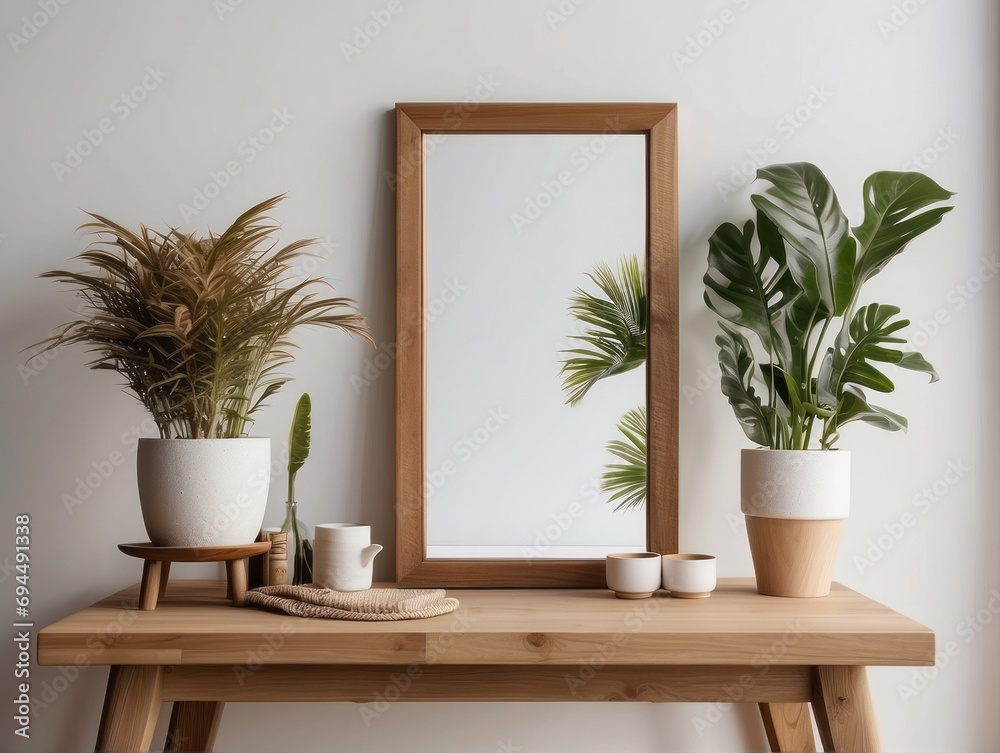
(299, 547)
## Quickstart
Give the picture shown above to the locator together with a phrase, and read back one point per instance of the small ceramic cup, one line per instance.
(689, 576)
(343, 534)
(633, 575)
(343, 556)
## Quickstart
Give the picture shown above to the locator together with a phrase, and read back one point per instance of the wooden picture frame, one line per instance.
(414, 123)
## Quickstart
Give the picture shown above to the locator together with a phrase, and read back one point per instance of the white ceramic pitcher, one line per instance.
(343, 554)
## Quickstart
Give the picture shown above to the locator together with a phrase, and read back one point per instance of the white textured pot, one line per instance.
(203, 492)
(799, 484)
(795, 502)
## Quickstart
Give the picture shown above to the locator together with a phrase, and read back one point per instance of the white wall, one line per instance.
(853, 86)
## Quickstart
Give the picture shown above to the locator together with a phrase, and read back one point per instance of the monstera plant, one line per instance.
(800, 280)
(792, 282)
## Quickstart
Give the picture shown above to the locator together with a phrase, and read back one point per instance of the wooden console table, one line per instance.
(501, 645)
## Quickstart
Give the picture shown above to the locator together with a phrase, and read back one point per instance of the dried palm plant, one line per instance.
(199, 327)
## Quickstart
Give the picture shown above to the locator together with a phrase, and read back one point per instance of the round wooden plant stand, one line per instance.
(157, 561)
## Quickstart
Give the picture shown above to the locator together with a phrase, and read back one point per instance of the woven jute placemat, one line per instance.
(373, 605)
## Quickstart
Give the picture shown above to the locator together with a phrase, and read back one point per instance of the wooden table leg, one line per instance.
(149, 589)
(788, 727)
(844, 712)
(236, 575)
(193, 725)
(131, 706)
(164, 574)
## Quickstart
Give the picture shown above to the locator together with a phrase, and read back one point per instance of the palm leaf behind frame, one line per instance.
(613, 342)
(614, 336)
(626, 480)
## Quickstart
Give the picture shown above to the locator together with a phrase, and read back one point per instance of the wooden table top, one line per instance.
(195, 624)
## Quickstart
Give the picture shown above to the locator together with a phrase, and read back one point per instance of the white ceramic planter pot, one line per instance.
(203, 492)
(795, 502)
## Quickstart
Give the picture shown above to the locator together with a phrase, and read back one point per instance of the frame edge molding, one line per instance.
(658, 122)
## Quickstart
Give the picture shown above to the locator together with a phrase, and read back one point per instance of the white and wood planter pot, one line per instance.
(795, 502)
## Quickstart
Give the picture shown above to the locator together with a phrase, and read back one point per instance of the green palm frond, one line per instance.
(199, 327)
(615, 322)
(299, 440)
(626, 480)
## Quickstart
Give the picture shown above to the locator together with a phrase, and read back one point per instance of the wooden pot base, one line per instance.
(626, 595)
(793, 557)
(157, 560)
